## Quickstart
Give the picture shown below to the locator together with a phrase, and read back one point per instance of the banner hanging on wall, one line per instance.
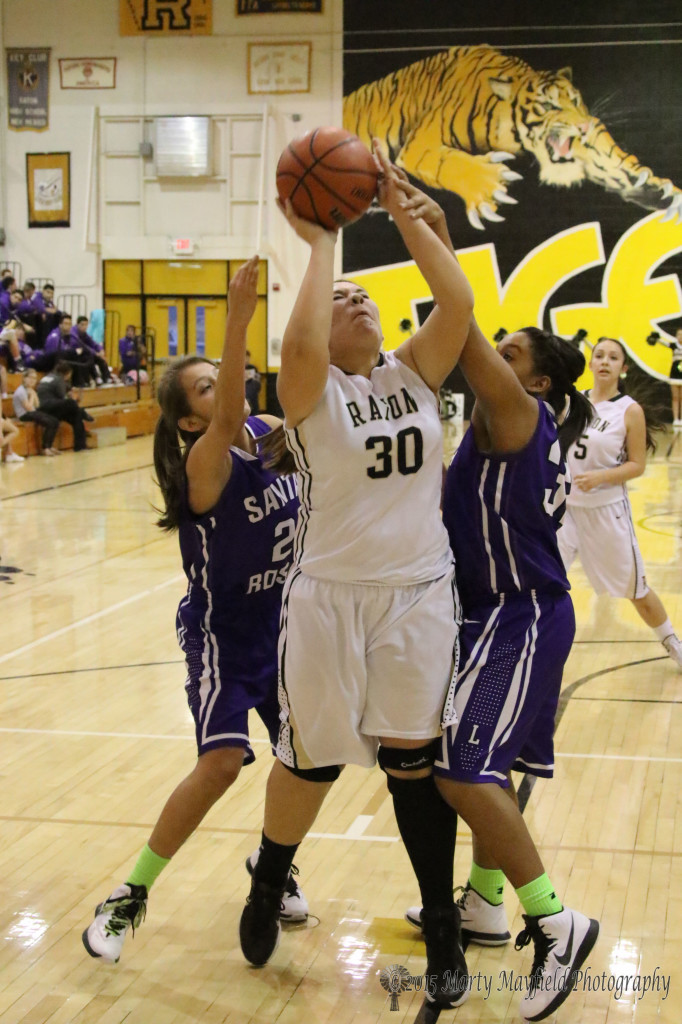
(48, 186)
(87, 72)
(165, 17)
(28, 81)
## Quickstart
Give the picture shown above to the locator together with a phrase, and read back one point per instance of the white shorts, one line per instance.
(604, 539)
(358, 662)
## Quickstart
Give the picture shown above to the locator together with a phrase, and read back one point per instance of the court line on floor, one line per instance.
(73, 483)
(527, 784)
(96, 668)
(463, 838)
(257, 741)
(89, 618)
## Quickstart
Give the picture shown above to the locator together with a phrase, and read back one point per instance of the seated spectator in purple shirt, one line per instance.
(44, 301)
(7, 285)
(11, 311)
(31, 307)
(132, 351)
(14, 347)
(59, 344)
(79, 333)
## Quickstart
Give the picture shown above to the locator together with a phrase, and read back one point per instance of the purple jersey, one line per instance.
(502, 513)
(236, 558)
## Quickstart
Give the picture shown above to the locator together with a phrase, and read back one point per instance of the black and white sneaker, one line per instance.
(124, 909)
(563, 942)
(294, 907)
(259, 927)
(446, 969)
(483, 922)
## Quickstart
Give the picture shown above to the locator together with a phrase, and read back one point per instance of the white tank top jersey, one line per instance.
(370, 473)
(602, 446)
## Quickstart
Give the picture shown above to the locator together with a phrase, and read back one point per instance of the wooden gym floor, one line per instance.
(96, 733)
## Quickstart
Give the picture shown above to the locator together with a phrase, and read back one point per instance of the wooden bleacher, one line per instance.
(116, 406)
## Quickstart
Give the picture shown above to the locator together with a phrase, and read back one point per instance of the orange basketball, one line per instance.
(329, 175)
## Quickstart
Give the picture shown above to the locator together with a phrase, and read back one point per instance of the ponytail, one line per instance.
(171, 444)
(563, 363)
(274, 452)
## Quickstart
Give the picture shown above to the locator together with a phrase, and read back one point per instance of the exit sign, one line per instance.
(183, 246)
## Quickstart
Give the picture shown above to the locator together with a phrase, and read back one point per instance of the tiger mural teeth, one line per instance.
(456, 119)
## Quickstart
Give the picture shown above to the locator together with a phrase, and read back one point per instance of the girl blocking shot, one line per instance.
(236, 520)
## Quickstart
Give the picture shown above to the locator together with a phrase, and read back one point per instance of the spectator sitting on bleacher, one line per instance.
(133, 354)
(25, 401)
(7, 285)
(100, 372)
(10, 311)
(58, 397)
(63, 345)
(13, 346)
(44, 301)
(8, 432)
(30, 307)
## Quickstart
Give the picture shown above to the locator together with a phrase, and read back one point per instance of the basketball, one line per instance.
(329, 175)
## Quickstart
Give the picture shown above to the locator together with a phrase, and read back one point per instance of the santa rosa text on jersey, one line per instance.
(275, 496)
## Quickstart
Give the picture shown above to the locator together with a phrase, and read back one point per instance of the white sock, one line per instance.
(664, 630)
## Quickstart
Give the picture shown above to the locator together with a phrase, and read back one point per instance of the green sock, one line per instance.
(148, 868)
(488, 883)
(538, 897)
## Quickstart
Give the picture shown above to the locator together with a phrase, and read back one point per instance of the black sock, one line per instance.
(274, 863)
(428, 827)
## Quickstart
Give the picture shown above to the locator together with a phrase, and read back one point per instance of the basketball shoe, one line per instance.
(125, 908)
(259, 927)
(482, 922)
(447, 977)
(562, 944)
(294, 906)
(673, 647)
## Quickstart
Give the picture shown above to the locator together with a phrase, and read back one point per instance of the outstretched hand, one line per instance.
(398, 194)
(308, 230)
(243, 291)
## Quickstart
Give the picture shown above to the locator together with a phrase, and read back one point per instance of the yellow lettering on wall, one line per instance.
(633, 301)
(519, 302)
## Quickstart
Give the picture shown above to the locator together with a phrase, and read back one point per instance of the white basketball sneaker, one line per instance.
(294, 904)
(482, 922)
(562, 944)
(125, 908)
(673, 648)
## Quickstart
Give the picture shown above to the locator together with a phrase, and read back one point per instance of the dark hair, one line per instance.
(172, 445)
(48, 285)
(80, 319)
(29, 284)
(17, 291)
(559, 360)
(63, 368)
(645, 391)
(65, 316)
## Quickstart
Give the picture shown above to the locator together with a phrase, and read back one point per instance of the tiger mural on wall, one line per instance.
(455, 119)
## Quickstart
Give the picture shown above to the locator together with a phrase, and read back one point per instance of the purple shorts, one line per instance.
(512, 661)
(220, 705)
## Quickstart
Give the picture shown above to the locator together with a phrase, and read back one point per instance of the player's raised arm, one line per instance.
(305, 346)
(209, 462)
(434, 349)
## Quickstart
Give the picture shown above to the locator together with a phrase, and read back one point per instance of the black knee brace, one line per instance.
(329, 773)
(401, 759)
